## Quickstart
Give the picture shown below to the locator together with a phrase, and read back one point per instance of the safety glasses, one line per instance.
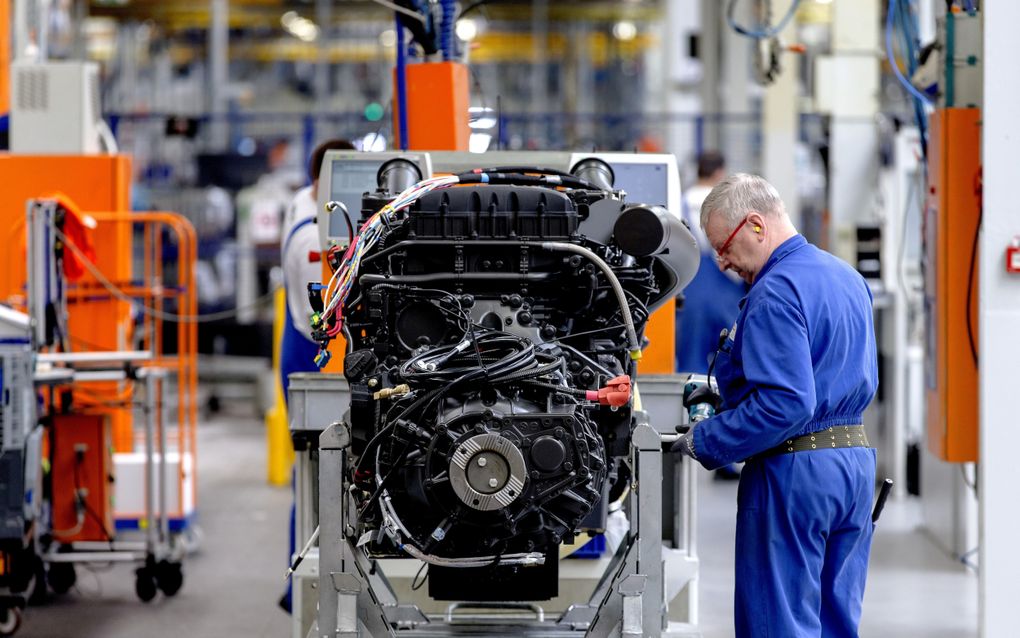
(719, 254)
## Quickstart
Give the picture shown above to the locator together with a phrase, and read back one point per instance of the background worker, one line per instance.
(302, 262)
(301, 255)
(711, 300)
(795, 374)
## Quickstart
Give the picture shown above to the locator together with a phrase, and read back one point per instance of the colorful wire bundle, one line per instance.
(371, 231)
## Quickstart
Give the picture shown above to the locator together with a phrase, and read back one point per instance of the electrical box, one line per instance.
(951, 283)
(82, 467)
(55, 108)
(960, 41)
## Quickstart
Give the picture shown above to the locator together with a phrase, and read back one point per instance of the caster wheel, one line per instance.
(62, 577)
(145, 584)
(10, 620)
(169, 577)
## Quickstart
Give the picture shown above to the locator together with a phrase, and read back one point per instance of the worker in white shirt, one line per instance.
(302, 263)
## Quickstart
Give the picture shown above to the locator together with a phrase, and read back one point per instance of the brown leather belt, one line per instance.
(836, 437)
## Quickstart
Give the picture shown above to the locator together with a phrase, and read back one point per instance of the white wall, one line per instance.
(999, 326)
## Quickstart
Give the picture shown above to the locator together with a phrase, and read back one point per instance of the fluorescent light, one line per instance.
(624, 30)
(299, 27)
(467, 29)
(388, 38)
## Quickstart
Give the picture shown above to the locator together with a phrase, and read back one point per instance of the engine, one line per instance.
(493, 323)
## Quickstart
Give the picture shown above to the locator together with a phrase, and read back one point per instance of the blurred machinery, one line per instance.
(67, 487)
(952, 222)
(55, 108)
(485, 413)
(19, 467)
(950, 256)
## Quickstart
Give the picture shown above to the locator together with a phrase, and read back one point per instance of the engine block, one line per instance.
(481, 324)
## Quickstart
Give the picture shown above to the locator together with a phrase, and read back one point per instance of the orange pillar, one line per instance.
(437, 107)
(659, 357)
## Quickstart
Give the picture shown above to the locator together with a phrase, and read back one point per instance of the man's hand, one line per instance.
(685, 445)
(700, 400)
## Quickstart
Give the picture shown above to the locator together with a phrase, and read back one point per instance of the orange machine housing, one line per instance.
(951, 221)
(81, 460)
(95, 183)
(437, 107)
(660, 355)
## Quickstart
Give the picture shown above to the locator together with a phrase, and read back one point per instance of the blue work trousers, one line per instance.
(803, 539)
(297, 354)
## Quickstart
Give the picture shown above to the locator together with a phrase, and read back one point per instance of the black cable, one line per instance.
(397, 464)
(471, 7)
(618, 326)
(970, 277)
(723, 336)
(415, 585)
(78, 458)
(558, 388)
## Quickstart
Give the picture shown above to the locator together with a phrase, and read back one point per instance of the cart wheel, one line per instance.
(145, 584)
(62, 577)
(10, 620)
(169, 577)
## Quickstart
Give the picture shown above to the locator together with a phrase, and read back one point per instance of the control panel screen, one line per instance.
(644, 183)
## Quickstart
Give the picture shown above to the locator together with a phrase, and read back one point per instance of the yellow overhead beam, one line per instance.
(187, 14)
(489, 48)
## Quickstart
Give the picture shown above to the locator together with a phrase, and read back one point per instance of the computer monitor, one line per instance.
(345, 176)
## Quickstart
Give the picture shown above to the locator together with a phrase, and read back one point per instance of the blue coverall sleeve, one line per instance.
(777, 364)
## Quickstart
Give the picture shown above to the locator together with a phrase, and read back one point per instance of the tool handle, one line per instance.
(883, 494)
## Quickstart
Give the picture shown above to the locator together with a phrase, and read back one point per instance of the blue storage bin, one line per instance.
(594, 548)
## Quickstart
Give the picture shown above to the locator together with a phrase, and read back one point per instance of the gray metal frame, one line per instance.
(355, 600)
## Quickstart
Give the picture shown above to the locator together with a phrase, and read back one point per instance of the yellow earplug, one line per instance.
(757, 229)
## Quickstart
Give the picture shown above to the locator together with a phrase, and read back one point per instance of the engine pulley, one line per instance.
(487, 472)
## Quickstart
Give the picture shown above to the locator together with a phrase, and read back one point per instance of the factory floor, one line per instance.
(232, 584)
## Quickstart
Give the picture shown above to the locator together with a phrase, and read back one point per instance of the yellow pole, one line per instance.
(279, 447)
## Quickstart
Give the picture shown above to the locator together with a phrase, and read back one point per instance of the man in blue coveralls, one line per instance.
(795, 374)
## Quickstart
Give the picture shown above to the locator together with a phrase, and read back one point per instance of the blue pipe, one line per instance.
(401, 85)
(446, 33)
(907, 86)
